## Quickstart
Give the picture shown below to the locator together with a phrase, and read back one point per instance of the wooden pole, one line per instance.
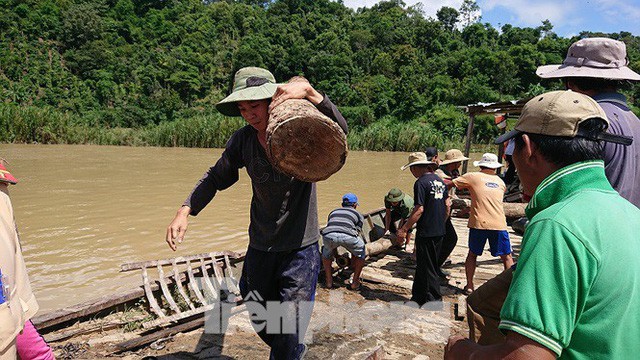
(467, 144)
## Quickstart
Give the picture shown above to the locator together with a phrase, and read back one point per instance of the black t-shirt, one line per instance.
(430, 192)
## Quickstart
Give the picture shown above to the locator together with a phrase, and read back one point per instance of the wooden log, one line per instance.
(45, 321)
(511, 210)
(378, 246)
(147, 339)
(304, 143)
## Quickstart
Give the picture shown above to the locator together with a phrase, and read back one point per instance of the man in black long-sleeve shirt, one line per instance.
(282, 261)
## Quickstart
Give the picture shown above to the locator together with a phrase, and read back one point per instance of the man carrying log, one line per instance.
(430, 211)
(283, 260)
(487, 220)
(571, 294)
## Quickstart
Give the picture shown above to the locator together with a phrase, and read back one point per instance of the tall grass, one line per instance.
(24, 124)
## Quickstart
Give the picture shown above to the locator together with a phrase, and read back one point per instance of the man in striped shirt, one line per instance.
(343, 229)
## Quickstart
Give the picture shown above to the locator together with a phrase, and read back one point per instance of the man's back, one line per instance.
(346, 220)
(622, 163)
(487, 191)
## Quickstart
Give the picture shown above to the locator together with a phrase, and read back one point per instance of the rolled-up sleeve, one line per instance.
(329, 109)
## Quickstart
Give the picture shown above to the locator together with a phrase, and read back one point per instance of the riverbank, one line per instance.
(29, 124)
(345, 324)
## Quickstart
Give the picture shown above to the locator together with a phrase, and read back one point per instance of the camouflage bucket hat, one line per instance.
(394, 195)
(249, 83)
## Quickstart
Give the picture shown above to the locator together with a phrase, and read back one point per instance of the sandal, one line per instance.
(357, 288)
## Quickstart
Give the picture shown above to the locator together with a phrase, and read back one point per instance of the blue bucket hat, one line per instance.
(349, 199)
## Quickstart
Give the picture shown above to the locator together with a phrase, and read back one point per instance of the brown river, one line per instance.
(83, 210)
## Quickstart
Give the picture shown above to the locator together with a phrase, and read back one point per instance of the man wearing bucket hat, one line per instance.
(571, 292)
(430, 211)
(18, 337)
(598, 67)
(282, 262)
(486, 220)
(398, 206)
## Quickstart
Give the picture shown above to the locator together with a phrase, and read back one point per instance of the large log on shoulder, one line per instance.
(304, 143)
(512, 211)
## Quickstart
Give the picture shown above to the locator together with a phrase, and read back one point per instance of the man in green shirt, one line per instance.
(398, 206)
(571, 296)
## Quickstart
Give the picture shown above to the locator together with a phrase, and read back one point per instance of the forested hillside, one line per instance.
(148, 72)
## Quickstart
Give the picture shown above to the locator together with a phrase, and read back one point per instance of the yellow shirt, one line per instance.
(487, 192)
(20, 305)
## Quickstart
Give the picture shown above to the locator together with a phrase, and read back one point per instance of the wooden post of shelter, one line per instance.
(467, 144)
(508, 108)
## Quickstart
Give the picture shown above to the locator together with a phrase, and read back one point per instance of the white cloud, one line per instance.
(430, 8)
(614, 11)
(532, 13)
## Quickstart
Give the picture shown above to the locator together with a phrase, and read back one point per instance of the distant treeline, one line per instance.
(148, 72)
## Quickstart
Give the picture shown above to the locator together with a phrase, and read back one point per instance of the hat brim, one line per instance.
(394, 199)
(563, 71)
(446, 162)
(490, 165)
(229, 105)
(421, 162)
(506, 137)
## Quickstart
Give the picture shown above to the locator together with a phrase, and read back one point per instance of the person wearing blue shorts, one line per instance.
(499, 243)
(486, 220)
(343, 229)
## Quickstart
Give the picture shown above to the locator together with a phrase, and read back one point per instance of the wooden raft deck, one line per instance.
(396, 267)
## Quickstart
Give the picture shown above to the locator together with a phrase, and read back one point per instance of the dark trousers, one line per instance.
(426, 283)
(510, 175)
(448, 243)
(287, 280)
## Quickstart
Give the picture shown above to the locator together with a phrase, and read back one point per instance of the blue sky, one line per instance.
(568, 17)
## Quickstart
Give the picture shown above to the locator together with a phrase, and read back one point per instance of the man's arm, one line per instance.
(387, 219)
(413, 218)
(300, 88)
(219, 177)
(516, 347)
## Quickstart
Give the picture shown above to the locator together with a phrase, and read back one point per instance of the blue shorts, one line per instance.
(353, 244)
(499, 243)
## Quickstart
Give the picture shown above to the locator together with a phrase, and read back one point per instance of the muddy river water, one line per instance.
(83, 210)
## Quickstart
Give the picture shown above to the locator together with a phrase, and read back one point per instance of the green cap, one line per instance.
(249, 83)
(394, 195)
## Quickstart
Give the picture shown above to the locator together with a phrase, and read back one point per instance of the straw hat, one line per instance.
(249, 83)
(488, 160)
(417, 158)
(593, 58)
(394, 195)
(453, 155)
